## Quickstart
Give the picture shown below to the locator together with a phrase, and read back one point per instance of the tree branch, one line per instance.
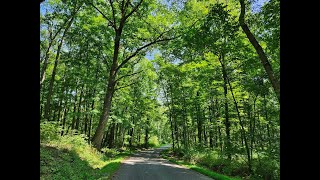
(262, 56)
(110, 22)
(122, 5)
(126, 85)
(133, 10)
(127, 75)
(242, 13)
(143, 47)
(155, 29)
(113, 14)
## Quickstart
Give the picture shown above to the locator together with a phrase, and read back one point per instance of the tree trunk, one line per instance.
(199, 121)
(254, 125)
(269, 122)
(91, 116)
(105, 138)
(45, 63)
(220, 139)
(226, 107)
(146, 137)
(139, 137)
(47, 109)
(111, 135)
(79, 109)
(131, 133)
(185, 142)
(59, 110)
(64, 119)
(74, 109)
(123, 133)
(62, 98)
(211, 126)
(46, 56)
(97, 138)
(176, 133)
(219, 136)
(172, 129)
(239, 117)
(86, 118)
(263, 58)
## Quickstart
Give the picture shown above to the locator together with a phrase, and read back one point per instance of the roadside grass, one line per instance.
(197, 167)
(71, 157)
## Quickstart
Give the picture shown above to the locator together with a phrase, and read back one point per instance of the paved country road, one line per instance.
(148, 165)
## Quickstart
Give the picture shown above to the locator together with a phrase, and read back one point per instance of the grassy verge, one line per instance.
(198, 168)
(72, 158)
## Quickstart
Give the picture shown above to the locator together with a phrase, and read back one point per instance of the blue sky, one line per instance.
(258, 4)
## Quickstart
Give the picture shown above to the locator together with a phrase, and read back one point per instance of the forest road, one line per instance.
(148, 165)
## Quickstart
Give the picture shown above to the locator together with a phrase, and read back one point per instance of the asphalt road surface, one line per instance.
(148, 165)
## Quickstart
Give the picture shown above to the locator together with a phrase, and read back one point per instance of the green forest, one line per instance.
(121, 76)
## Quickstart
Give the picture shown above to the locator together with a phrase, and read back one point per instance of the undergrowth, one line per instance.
(213, 164)
(71, 157)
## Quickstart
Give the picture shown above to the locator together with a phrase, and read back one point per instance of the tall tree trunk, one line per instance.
(146, 137)
(170, 115)
(79, 108)
(205, 132)
(115, 135)
(269, 122)
(41, 109)
(97, 138)
(66, 109)
(111, 135)
(91, 116)
(139, 137)
(45, 64)
(74, 109)
(46, 56)
(176, 132)
(220, 139)
(205, 140)
(211, 125)
(62, 98)
(254, 124)
(118, 136)
(59, 110)
(185, 142)
(199, 121)
(105, 138)
(123, 133)
(263, 58)
(172, 128)
(226, 107)
(86, 118)
(54, 71)
(131, 133)
(217, 115)
(243, 133)
(173, 118)
(54, 112)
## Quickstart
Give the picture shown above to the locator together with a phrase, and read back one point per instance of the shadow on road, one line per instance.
(147, 164)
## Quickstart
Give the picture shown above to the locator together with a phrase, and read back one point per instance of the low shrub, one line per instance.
(110, 152)
(49, 131)
(266, 168)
